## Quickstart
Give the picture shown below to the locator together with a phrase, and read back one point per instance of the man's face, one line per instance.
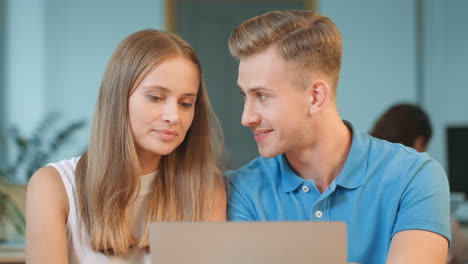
(275, 107)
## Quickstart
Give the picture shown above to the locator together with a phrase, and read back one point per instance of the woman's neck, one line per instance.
(149, 162)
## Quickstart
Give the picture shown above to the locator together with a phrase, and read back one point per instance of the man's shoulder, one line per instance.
(403, 160)
(382, 149)
(259, 169)
(380, 154)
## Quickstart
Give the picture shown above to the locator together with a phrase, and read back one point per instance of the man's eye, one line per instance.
(243, 96)
(261, 96)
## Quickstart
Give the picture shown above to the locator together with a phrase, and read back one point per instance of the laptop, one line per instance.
(247, 242)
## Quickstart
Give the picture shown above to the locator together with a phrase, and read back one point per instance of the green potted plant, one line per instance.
(20, 157)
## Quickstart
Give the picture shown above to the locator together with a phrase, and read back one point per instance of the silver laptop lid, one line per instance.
(248, 242)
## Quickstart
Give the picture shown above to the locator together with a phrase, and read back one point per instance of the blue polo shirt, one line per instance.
(383, 188)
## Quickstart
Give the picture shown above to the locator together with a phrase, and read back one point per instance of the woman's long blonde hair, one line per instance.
(107, 174)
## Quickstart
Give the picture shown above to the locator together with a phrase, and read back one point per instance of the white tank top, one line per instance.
(78, 247)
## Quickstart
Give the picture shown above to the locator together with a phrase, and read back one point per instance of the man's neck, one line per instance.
(324, 160)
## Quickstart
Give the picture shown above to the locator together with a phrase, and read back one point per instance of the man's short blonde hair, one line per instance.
(307, 40)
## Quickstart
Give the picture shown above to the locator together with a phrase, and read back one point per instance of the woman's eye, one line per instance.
(155, 98)
(186, 105)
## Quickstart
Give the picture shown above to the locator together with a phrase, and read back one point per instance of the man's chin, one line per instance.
(267, 154)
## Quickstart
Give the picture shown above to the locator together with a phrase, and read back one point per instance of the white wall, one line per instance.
(446, 68)
(2, 65)
(81, 36)
(57, 53)
(24, 63)
(379, 59)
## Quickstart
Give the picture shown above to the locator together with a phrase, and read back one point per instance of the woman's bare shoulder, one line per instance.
(46, 186)
(46, 216)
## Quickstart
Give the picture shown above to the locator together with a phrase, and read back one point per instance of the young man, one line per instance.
(314, 166)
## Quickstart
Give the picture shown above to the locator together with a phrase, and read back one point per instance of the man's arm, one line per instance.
(422, 227)
(417, 246)
(237, 206)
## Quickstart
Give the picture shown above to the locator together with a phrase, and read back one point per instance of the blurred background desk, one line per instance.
(12, 252)
(9, 257)
(464, 227)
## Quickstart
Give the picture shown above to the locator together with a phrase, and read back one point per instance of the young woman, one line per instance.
(151, 157)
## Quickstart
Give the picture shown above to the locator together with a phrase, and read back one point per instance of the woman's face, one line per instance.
(162, 106)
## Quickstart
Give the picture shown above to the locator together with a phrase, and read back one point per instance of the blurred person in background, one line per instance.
(409, 125)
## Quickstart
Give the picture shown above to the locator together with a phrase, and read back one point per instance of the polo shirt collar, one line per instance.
(352, 175)
(290, 180)
(354, 170)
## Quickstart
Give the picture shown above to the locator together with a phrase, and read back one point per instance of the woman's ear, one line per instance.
(318, 93)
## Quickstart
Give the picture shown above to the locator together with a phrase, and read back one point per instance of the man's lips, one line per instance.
(261, 134)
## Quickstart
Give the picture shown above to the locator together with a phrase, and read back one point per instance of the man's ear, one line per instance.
(419, 144)
(318, 94)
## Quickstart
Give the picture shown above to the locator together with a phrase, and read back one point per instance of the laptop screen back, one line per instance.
(248, 242)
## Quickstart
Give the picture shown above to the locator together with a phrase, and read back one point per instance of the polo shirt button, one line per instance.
(318, 214)
(305, 188)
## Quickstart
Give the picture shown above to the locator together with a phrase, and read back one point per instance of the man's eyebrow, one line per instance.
(253, 90)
